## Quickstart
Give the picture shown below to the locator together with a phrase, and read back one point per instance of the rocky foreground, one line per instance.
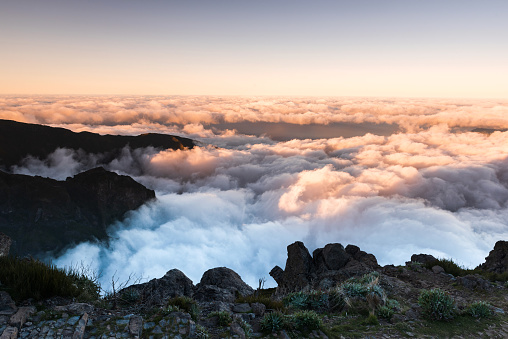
(315, 299)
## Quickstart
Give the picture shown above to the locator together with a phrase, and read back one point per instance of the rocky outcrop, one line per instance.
(324, 268)
(5, 245)
(423, 258)
(39, 141)
(497, 260)
(158, 291)
(42, 214)
(221, 284)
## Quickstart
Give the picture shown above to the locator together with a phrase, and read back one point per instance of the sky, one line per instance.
(453, 48)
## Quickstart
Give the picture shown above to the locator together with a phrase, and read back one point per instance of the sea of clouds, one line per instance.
(427, 184)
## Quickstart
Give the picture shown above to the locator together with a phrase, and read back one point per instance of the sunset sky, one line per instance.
(454, 48)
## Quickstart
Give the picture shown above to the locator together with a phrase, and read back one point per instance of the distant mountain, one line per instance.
(44, 215)
(17, 140)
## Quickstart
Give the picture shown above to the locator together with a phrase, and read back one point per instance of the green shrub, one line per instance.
(371, 320)
(223, 318)
(312, 300)
(449, 267)
(437, 304)
(246, 327)
(201, 332)
(28, 278)
(385, 312)
(186, 304)
(306, 321)
(273, 322)
(269, 303)
(297, 300)
(129, 296)
(480, 309)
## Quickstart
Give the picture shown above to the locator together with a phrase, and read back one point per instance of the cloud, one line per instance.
(432, 188)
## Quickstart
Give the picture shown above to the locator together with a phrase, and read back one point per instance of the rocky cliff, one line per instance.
(18, 140)
(45, 215)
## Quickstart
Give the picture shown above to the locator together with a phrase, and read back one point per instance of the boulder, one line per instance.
(221, 280)
(277, 274)
(5, 245)
(158, 291)
(497, 260)
(472, 282)
(423, 258)
(335, 256)
(7, 305)
(299, 265)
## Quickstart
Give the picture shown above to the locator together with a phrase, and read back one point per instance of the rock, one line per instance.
(236, 329)
(7, 305)
(225, 279)
(497, 260)
(335, 256)
(258, 309)
(9, 333)
(44, 215)
(277, 274)
(209, 293)
(135, 326)
(158, 291)
(5, 245)
(474, 282)
(20, 317)
(242, 308)
(437, 269)
(76, 308)
(366, 258)
(298, 267)
(423, 258)
(79, 332)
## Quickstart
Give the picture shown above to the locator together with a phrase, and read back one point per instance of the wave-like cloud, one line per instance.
(433, 188)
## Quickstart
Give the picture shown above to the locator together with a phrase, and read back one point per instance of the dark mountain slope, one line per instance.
(17, 140)
(43, 215)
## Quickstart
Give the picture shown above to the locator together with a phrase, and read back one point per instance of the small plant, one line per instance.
(269, 303)
(173, 308)
(247, 329)
(223, 318)
(306, 320)
(186, 304)
(437, 304)
(130, 296)
(371, 320)
(297, 300)
(201, 332)
(385, 312)
(273, 322)
(480, 309)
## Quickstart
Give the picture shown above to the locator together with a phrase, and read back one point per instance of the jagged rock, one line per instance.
(258, 309)
(7, 305)
(158, 291)
(76, 308)
(20, 317)
(335, 256)
(79, 332)
(43, 215)
(298, 267)
(237, 330)
(221, 280)
(437, 269)
(135, 326)
(277, 274)
(9, 333)
(423, 258)
(474, 282)
(5, 244)
(497, 260)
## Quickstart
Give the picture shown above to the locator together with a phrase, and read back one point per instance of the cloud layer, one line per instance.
(433, 188)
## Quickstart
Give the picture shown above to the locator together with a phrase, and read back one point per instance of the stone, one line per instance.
(472, 282)
(335, 256)
(158, 291)
(423, 258)
(224, 279)
(19, 318)
(5, 244)
(9, 333)
(76, 308)
(277, 274)
(236, 329)
(437, 269)
(497, 260)
(258, 309)
(298, 267)
(136, 326)
(7, 305)
(210, 293)
(242, 308)
(79, 332)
